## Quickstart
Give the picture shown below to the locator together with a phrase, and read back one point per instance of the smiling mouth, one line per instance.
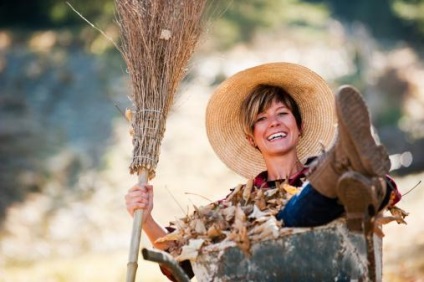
(276, 136)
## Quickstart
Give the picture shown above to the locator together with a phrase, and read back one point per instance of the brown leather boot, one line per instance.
(354, 150)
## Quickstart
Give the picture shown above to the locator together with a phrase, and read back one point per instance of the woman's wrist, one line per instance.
(148, 220)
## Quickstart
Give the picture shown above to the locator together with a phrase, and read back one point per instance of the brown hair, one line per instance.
(261, 99)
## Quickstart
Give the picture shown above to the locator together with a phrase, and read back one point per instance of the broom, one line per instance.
(158, 38)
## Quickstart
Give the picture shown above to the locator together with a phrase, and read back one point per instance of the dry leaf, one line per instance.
(399, 214)
(214, 231)
(247, 190)
(260, 201)
(174, 236)
(205, 210)
(257, 213)
(229, 213)
(235, 192)
(243, 241)
(198, 226)
(265, 231)
(382, 220)
(270, 193)
(239, 233)
(289, 188)
(190, 251)
(239, 218)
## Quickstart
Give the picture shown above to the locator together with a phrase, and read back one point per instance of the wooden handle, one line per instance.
(136, 234)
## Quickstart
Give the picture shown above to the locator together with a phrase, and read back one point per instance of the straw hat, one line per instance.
(308, 89)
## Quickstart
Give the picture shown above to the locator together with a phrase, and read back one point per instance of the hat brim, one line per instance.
(312, 94)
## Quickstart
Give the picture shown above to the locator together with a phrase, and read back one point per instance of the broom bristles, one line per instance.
(158, 39)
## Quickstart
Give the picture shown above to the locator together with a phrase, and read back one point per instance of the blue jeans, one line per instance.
(309, 208)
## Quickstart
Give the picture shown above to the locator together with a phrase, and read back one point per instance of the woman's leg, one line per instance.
(309, 208)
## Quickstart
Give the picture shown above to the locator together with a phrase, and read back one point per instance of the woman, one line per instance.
(234, 120)
(274, 122)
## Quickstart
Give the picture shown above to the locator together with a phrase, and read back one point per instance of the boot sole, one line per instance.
(354, 122)
(355, 193)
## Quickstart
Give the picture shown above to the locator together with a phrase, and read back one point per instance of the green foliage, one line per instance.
(411, 11)
(394, 19)
(240, 21)
(234, 20)
(52, 13)
(237, 20)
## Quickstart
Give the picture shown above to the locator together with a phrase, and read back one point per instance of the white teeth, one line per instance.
(276, 136)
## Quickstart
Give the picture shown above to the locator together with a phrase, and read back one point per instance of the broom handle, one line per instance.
(136, 234)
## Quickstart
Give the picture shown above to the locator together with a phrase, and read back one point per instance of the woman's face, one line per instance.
(275, 131)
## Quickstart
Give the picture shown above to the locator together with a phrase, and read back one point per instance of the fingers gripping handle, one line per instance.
(136, 234)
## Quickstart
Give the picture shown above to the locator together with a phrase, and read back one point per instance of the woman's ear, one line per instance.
(251, 141)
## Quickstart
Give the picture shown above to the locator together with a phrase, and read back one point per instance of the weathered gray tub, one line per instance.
(327, 253)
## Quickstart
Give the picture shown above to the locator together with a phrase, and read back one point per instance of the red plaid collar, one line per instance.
(261, 180)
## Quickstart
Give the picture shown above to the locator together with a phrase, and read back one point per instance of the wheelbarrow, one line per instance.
(326, 253)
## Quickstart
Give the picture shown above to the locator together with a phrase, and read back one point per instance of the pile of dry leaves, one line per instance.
(246, 216)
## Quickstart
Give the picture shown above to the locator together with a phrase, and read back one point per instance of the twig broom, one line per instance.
(158, 38)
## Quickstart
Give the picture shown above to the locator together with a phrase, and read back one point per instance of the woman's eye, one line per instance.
(282, 113)
(260, 119)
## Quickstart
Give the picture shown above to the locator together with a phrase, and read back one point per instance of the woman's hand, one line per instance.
(140, 196)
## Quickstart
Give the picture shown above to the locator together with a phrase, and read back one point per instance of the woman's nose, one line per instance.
(274, 121)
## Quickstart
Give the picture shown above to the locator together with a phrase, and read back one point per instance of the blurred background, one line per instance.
(65, 146)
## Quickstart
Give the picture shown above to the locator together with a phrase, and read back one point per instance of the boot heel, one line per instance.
(356, 195)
